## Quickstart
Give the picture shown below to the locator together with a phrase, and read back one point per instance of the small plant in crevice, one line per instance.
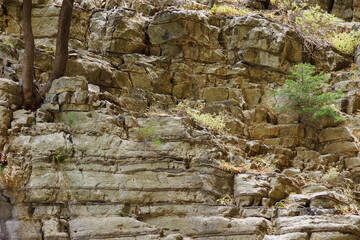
(70, 119)
(281, 203)
(226, 200)
(304, 94)
(212, 122)
(148, 134)
(8, 43)
(62, 156)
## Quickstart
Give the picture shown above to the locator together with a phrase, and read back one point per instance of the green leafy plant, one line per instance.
(70, 119)
(315, 21)
(213, 122)
(147, 134)
(228, 10)
(8, 43)
(281, 203)
(62, 156)
(346, 42)
(304, 94)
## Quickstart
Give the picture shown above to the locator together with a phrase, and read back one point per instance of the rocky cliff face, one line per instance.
(108, 156)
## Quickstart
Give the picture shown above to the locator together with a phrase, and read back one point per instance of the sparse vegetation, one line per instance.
(62, 156)
(212, 122)
(226, 200)
(317, 26)
(147, 134)
(228, 10)
(304, 94)
(346, 42)
(8, 43)
(70, 119)
(282, 203)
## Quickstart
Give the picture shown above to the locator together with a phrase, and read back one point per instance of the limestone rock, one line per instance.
(333, 236)
(250, 189)
(109, 228)
(343, 9)
(117, 31)
(329, 59)
(69, 84)
(5, 119)
(336, 134)
(288, 236)
(10, 93)
(23, 230)
(22, 118)
(349, 224)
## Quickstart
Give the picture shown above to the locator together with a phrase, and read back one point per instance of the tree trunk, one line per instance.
(32, 98)
(62, 41)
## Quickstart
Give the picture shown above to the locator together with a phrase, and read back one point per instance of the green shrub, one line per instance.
(346, 42)
(304, 94)
(213, 122)
(228, 10)
(315, 22)
(62, 156)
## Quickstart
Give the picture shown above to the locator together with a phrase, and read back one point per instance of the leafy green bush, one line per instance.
(213, 122)
(346, 42)
(228, 10)
(315, 21)
(304, 94)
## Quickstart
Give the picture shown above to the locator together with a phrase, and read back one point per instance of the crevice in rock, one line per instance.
(331, 6)
(41, 231)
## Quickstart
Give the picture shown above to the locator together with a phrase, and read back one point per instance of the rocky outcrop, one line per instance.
(109, 156)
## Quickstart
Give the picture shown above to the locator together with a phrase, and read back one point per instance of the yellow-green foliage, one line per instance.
(315, 23)
(226, 200)
(346, 42)
(289, 5)
(315, 20)
(228, 10)
(213, 122)
(8, 43)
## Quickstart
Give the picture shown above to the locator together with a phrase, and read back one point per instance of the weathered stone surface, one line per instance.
(349, 224)
(5, 119)
(250, 189)
(69, 84)
(211, 226)
(336, 134)
(23, 230)
(250, 34)
(343, 9)
(288, 236)
(117, 31)
(111, 227)
(264, 131)
(329, 59)
(352, 162)
(10, 93)
(333, 236)
(341, 147)
(111, 161)
(22, 118)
